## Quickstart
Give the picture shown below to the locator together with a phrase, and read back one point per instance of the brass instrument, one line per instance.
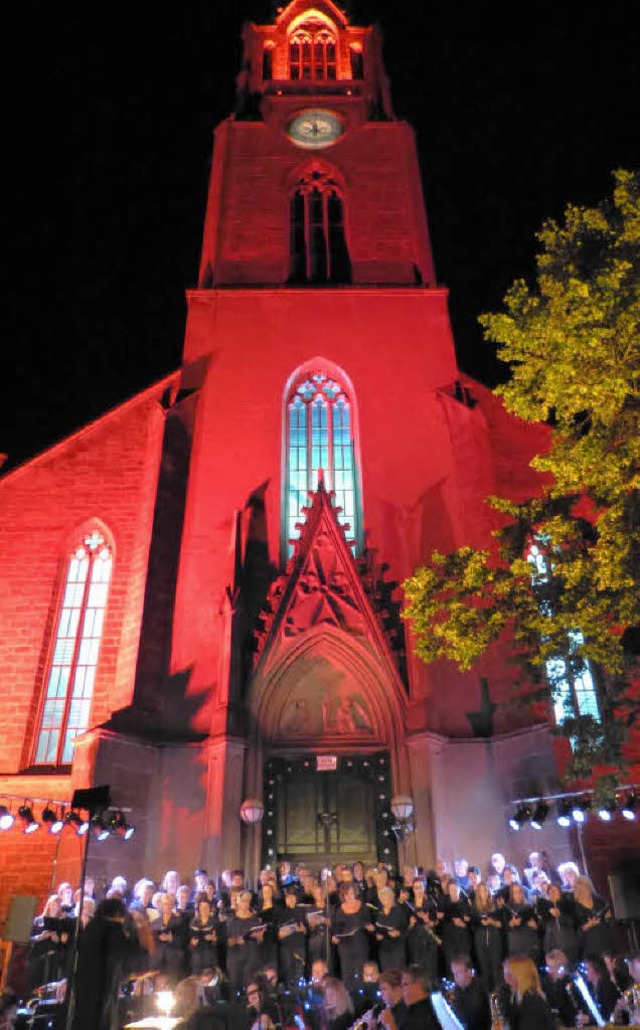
(628, 1002)
(498, 1022)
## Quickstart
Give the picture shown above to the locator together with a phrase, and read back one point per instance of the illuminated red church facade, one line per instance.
(162, 634)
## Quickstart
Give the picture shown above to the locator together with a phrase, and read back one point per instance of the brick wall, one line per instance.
(103, 476)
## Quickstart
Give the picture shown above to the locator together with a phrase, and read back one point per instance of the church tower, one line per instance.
(334, 446)
(210, 618)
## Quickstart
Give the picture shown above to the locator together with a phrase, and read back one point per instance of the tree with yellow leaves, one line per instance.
(572, 606)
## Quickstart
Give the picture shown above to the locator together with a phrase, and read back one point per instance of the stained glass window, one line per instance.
(320, 439)
(571, 692)
(72, 669)
(312, 54)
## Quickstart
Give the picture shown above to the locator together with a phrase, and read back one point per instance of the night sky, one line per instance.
(107, 146)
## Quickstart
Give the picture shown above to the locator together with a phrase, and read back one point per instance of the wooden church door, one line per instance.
(325, 809)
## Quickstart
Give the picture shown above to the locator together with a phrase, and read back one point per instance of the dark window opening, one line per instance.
(267, 64)
(319, 252)
(357, 64)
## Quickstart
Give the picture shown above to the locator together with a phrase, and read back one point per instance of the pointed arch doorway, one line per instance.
(321, 810)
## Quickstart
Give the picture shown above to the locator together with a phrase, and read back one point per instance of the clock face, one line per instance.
(315, 128)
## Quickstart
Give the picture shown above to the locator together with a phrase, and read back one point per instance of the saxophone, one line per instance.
(498, 1022)
(629, 1003)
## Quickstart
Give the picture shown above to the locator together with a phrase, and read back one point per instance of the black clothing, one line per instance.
(392, 950)
(204, 953)
(221, 1016)
(317, 921)
(621, 976)
(49, 954)
(291, 947)
(558, 921)
(456, 940)
(488, 946)
(471, 1006)
(353, 943)
(560, 995)
(597, 938)
(268, 949)
(104, 954)
(532, 1013)
(398, 1012)
(365, 998)
(343, 1022)
(419, 1016)
(522, 939)
(423, 942)
(168, 955)
(243, 950)
(605, 994)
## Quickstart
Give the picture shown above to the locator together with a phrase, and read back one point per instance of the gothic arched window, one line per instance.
(572, 692)
(312, 54)
(320, 437)
(74, 655)
(318, 242)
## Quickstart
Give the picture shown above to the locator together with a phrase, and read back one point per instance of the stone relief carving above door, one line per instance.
(319, 709)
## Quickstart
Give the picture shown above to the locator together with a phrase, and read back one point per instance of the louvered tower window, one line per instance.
(318, 241)
(312, 54)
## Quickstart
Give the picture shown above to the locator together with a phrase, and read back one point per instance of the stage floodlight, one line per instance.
(119, 826)
(31, 824)
(99, 829)
(607, 810)
(76, 823)
(7, 818)
(540, 814)
(579, 810)
(564, 813)
(628, 808)
(52, 820)
(520, 816)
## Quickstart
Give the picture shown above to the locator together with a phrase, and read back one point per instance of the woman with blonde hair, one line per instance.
(487, 927)
(528, 1009)
(337, 1007)
(170, 882)
(593, 919)
(392, 923)
(168, 935)
(245, 933)
(46, 949)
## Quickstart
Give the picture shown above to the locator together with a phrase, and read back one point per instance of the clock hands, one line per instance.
(315, 128)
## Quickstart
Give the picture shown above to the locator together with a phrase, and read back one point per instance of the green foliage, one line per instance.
(572, 342)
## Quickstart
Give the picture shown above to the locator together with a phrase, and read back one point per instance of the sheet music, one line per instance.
(444, 1012)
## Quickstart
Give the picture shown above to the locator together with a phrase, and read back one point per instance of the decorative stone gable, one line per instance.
(323, 586)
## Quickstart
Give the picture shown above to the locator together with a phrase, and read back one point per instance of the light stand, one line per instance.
(327, 930)
(95, 801)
